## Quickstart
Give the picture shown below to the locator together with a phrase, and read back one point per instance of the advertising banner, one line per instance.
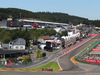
(92, 60)
(95, 49)
(94, 34)
(98, 45)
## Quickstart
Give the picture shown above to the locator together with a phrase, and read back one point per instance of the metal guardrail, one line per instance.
(96, 31)
(87, 51)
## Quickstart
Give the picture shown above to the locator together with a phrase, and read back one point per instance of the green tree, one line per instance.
(2, 33)
(6, 38)
(64, 33)
(43, 54)
(38, 53)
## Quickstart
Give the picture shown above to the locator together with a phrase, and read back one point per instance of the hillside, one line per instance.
(45, 16)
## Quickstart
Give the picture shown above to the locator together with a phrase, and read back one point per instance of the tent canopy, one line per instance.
(10, 64)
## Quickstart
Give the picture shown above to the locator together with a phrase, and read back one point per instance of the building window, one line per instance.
(21, 47)
(16, 47)
(10, 42)
(10, 46)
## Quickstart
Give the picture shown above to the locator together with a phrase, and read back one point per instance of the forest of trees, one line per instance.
(45, 16)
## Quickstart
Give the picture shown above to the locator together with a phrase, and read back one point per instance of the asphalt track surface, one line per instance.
(48, 73)
(65, 62)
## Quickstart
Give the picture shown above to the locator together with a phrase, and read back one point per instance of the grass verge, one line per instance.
(52, 65)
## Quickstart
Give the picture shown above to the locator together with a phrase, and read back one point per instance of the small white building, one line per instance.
(18, 44)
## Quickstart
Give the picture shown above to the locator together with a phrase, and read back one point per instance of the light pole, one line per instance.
(20, 15)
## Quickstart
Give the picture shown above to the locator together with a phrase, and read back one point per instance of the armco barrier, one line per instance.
(96, 31)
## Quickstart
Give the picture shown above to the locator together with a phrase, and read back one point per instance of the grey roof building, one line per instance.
(17, 44)
(18, 41)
